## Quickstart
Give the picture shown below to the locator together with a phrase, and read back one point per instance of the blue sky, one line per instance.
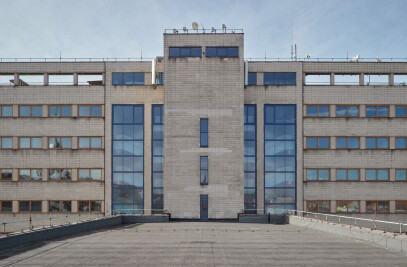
(101, 28)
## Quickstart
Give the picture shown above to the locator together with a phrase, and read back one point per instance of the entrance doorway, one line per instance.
(204, 207)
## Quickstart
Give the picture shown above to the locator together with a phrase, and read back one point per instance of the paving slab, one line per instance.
(203, 244)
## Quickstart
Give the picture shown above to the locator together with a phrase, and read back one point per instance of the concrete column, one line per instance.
(361, 79)
(15, 111)
(15, 142)
(304, 78)
(75, 78)
(391, 79)
(46, 79)
(15, 206)
(45, 111)
(332, 111)
(16, 79)
(14, 176)
(44, 175)
(333, 174)
(103, 78)
(332, 79)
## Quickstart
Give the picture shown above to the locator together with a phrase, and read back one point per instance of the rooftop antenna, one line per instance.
(195, 26)
(185, 29)
(292, 38)
(60, 55)
(203, 28)
(174, 31)
(213, 29)
(141, 55)
(224, 28)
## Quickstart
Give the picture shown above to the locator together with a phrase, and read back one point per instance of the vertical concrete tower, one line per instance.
(204, 79)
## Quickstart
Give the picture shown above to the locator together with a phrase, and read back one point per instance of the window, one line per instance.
(90, 174)
(185, 51)
(128, 78)
(346, 79)
(347, 206)
(280, 78)
(401, 175)
(377, 143)
(280, 169)
(212, 51)
(401, 111)
(401, 142)
(318, 142)
(377, 174)
(6, 142)
(59, 111)
(59, 206)
(30, 206)
(90, 142)
(377, 111)
(59, 142)
(204, 132)
(347, 174)
(317, 111)
(30, 142)
(378, 206)
(252, 78)
(160, 78)
(59, 175)
(376, 79)
(250, 159)
(401, 206)
(347, 111)
(347, 142)
(90, 110)
(6, 174)
(204, 170)
(30, 174)
(30, 111)
(318, 175)
(157, 151)
(317, 79)
(6, 206)
(6, 111)
(89, 206)
(319, 206)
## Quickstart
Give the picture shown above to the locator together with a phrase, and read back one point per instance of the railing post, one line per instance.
(50, 221)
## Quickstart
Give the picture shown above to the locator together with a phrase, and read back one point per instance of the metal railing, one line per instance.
(327, 59)
(73, 59)
(30, 224)
(202, 30)
(355, 221)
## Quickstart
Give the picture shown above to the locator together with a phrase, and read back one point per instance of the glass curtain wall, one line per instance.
(279, 158)
(250, 191)
(157, 147)
(128, 159)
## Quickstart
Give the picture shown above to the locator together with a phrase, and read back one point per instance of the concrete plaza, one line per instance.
(203, 244)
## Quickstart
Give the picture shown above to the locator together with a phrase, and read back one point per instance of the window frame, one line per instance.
(90, 177)
(1, 111)
(347, 142)
(395, 142)
(377, 205)
(347, 111)
(395, 111)
(30, 137)
(347, 206)
(203, 132)
(60, 206)
(347, 174)
(317, 105)
(1, 206)
(203, 169)
(30, 210)
(60, 175)
(60, 111)
(184, 47)
(90, 206)
(317, 169)
(1, 142)
(60, 137)
(317, 137)
(270, 84)
(377, 175)
(317, 201)
(90, 144)
(400, 169)
(90, 110)
(405, 206)
(31, 116)
(222, 47)
(377, 142)
(377, 111)
(248, 78)
(31, 170)
(1, 175)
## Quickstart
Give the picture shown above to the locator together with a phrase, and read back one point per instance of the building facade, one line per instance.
(202, 133)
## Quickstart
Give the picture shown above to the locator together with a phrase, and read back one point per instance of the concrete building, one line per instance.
(202, 133)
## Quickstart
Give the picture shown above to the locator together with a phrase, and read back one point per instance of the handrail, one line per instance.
(72, 59)
(328, 59)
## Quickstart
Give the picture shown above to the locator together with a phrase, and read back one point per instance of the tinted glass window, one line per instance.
(312, 111)
(323, 142)
(252, 78)
(400, 111)
(96, 111)
(323, 175)
(383, 143)
(353, 175)
(312, 142)
(341, 175)
(54, 111)
(66, 111)
(6, 142)
(36, 111)
(204, 132)
(117, 78)
(371, 175)
(401, 142)
(400, 175)
(83, 142)
(6, 111)
(24, 111)
(341, 142)
(370, 111)
(312, 175)
(353, 142)
(353, 111)
(383, 111)
(84, 111)
(323, 111)
(341, 111)
(371, 142)
(280, 78)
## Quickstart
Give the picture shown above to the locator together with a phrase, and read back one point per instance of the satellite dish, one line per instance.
(195, 26)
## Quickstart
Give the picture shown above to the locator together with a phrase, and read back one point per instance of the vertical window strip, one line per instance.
(157, 153)
(250, 159)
